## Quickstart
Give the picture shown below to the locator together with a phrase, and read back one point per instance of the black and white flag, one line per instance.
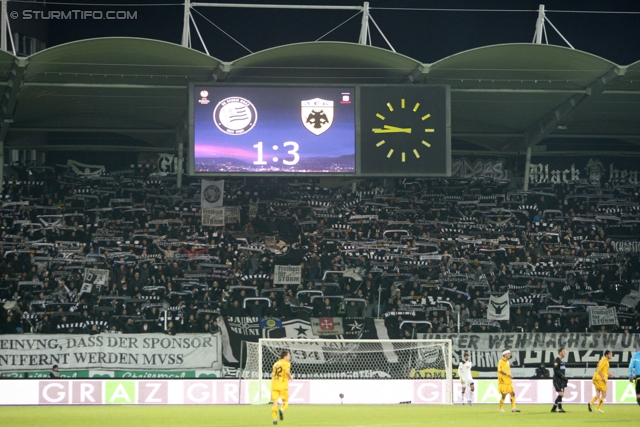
(498, 308)
(95, 281)
(211, 193)
(631, 300)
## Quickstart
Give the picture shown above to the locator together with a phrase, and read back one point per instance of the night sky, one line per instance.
(423, 35)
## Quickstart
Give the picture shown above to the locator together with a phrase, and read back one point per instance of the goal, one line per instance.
(398, 364)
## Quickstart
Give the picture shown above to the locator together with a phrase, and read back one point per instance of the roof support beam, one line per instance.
(549, 123)
(182, 136)
(9, 102)
(91, 130)
(97, 148)
(106, 86)
(10, 96)
(559, 136)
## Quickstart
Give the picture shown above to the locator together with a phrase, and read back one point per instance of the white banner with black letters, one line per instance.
(599, 316)
(253, 210)
(287, 274)
(231, 214)
(213, 217)
(106, 351)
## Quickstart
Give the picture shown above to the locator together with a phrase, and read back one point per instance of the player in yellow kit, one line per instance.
(281, 374)
(600, 378)
(505, 381)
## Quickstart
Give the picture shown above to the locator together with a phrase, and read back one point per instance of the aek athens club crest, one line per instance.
(317, 115)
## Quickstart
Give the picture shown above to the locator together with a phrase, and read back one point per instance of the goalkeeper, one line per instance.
(466, 379)
(281, 374)
(634, 373)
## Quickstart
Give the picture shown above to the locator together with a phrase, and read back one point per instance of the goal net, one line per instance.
(398, 363)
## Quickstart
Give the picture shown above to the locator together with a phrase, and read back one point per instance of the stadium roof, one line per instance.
(503, 97)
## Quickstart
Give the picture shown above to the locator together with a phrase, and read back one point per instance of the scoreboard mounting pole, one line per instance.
(364, 27)
(363, 39)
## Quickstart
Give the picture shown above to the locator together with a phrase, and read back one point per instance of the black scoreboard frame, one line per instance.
(387, 150)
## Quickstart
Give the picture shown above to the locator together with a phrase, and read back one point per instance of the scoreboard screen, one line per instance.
(279, 130)
(360, 130)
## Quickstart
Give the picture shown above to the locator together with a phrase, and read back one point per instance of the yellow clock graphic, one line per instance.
(403, 117)
(405, 130)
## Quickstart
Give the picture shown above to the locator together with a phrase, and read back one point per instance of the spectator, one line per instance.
(562, 261)
(55, 372)
(542, 372)
(274, 310)
(235, 310)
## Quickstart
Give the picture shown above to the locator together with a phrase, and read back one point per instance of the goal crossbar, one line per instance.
(352, 359)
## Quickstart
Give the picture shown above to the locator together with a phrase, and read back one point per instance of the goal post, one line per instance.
(395, 365)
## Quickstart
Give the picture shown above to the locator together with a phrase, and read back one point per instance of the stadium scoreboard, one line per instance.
(347, 130)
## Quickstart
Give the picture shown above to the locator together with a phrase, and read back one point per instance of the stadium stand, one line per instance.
(414, 252)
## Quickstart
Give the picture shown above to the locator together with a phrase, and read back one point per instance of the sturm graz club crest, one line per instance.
(212, 193)
(317, 115)
(235, 115)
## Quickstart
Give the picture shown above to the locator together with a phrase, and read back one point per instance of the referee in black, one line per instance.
(559, 379)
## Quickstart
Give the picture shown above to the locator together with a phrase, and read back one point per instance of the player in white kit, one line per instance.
(466, 379)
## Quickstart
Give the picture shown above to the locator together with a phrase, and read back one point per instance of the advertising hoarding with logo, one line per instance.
(323, 392)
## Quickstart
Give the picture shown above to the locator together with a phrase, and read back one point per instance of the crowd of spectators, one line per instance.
(425, 255)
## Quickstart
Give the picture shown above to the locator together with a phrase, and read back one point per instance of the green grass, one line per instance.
(314, 415)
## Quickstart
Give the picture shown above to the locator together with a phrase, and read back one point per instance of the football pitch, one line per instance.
(315, 415)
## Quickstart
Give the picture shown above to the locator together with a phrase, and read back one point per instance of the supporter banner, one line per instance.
(602, 316)
(235, 330)
(324, 392)
(556, 169)
(498, 308)
(82, 169)
(270, 322)
(631, 300)
(293, 328)
(629, 246)
(253, 210)
(231, 214)
(95, 281)
(135, 351)
(573, 341)
(211, 194)
(356, 328)
(213, 217)
(480, 168)
(483, 322)
(322, 326)
(167, 162)
(287, 274)
(357, 273)
(529, 350)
